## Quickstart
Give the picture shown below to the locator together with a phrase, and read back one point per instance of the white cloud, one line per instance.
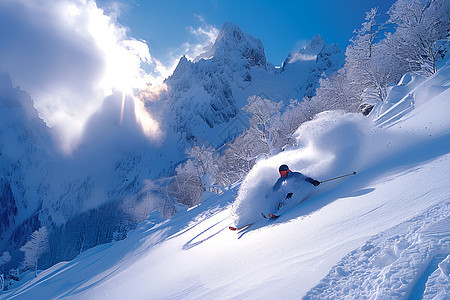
(297, 56)
(299, 45)
(202, 39)
(69, 55)
(205, 35)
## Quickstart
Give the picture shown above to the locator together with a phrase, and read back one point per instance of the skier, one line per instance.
(294, 178)
(288, 176)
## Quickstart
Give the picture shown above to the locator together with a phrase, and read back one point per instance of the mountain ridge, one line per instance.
(215, 89)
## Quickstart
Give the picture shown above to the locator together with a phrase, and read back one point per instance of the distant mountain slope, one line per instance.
(26, 147)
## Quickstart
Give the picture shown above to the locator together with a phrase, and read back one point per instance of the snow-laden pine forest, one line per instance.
(123, 216)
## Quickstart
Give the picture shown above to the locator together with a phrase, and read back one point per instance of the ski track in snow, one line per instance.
(395, 264)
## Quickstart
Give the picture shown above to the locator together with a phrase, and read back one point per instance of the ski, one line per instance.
(240, 228)
(271, 216)
(281, 204)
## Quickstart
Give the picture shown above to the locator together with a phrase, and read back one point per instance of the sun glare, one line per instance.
(123, 60)
(150, 127)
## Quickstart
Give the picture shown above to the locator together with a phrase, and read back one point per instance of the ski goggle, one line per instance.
(283, 173)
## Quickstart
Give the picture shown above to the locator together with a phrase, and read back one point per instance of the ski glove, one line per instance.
(316, 182)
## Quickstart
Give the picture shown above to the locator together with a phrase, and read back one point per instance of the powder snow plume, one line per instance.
(336, 143)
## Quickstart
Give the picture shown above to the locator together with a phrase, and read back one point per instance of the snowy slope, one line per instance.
(383, 233)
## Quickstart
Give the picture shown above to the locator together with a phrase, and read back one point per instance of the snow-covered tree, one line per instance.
(360, 56)
(419, 25)
(370, 67)
(385, 69)
(239, 157)
(187, 186)
(35, 248)
(203, 159)
(153, 196)
(335, 92)
(264, 114)
(361, 48)
(5, 258)
(296, 113)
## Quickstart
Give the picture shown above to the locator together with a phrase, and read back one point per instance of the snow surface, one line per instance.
(383, 233)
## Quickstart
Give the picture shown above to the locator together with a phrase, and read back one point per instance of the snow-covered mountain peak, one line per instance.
(315, 45)
(309, 52)
(234, 44)
(19, 116)
(182, 67)
(230, 32)
(207, 93)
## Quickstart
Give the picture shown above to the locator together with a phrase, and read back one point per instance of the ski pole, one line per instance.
(353, 173)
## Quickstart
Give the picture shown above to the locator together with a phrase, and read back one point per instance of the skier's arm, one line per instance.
(312, 181)
(300, 176)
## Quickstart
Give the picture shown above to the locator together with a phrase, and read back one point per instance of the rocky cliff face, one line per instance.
(24, 144)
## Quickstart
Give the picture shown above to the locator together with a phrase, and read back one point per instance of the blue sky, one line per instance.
(283, 26)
